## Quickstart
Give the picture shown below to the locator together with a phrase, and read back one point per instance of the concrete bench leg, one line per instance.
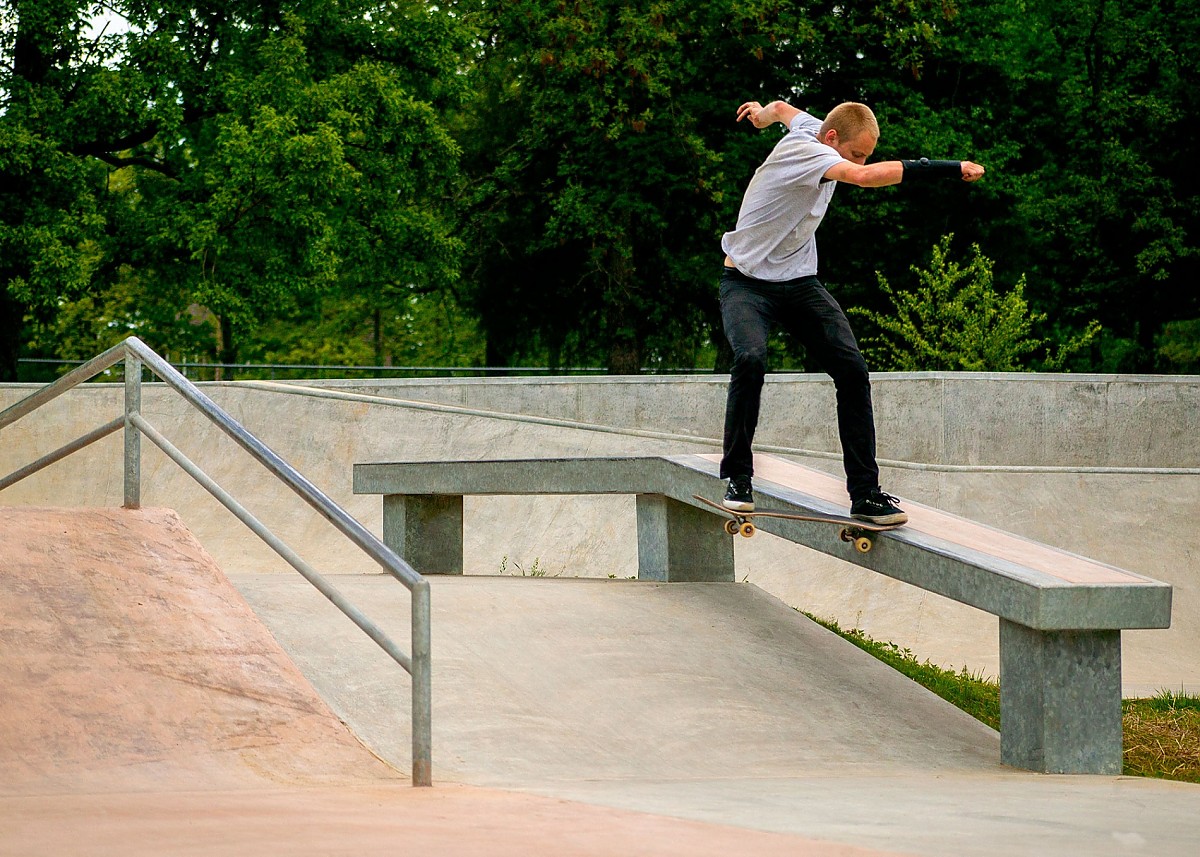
(679, 542)
(426, 530)
(1060, 700)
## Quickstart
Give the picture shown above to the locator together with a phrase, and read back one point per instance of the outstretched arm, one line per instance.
(886, 173)
(761, 117)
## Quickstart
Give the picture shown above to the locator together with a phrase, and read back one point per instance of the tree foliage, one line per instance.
(1100, 206)
(313, 177)
(607, 163)
(596, 191)
(956, 319)
(1179, 346)
(242, 157)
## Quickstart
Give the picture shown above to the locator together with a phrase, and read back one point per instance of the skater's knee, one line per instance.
(750, 364)
(749, 369)
(852, 374)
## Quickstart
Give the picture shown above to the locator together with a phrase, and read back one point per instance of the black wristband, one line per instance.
(925, 169)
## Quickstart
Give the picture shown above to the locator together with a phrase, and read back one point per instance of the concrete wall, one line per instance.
(1104, 466)
(936, 418)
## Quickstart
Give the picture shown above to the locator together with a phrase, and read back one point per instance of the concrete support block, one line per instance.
(426, 530)
(679, 542)
(1060, 700)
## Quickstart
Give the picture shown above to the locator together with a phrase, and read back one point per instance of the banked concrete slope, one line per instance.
(541, 680)
(130, 663)
(711, 702)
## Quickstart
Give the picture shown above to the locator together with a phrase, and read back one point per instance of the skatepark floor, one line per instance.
(154, 705)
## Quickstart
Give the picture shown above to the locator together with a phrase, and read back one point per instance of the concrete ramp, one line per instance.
(128, 661)
(540, 680)
(708, 702)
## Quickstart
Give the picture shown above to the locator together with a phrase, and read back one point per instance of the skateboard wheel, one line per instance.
(845, 535)
(862, 544)
(747, 529)
(732, 527)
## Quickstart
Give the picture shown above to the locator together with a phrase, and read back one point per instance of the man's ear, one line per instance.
(830, 138)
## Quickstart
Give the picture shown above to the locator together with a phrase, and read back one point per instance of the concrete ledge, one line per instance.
(1061, 615)
(1032, 584)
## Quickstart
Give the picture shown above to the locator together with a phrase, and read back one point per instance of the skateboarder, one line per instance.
(770, 277)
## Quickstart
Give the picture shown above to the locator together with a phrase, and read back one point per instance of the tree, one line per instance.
(598, 197)
(289, 162)
(606, 163)
(429, 330)
(1179, 346)
(59, 98)
(1090, 104)
(957, 320)
(267, 153)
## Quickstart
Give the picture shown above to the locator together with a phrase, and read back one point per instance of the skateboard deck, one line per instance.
(853, 530)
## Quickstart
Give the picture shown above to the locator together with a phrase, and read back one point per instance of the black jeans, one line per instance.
(805, 310)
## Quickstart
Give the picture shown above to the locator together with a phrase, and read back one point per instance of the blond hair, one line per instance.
(850, 119)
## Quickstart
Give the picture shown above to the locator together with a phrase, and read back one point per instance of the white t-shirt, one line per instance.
(775, 234)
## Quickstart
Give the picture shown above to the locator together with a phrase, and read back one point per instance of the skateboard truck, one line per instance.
(852, 532)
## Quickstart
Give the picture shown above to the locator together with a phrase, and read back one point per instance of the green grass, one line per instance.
(535, 570)
(1161, 734)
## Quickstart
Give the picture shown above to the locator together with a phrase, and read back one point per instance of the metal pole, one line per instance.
(133, 437)
(422, 691)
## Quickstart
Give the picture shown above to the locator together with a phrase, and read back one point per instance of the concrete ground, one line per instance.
(447, 820)
(148, 710)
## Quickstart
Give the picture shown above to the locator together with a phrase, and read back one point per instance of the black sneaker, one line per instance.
(878, 508)
(739, 497)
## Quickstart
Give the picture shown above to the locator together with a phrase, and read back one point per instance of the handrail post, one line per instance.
(422, 691)
(133, 437)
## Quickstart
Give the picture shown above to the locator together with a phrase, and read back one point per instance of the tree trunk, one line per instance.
(378, 321)
(625, 358)
(624, 331)
(12, 323)
(226, 349)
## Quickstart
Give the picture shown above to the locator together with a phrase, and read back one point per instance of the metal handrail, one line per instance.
(136, 354)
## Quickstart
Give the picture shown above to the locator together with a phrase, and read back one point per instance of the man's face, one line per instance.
(857, 149)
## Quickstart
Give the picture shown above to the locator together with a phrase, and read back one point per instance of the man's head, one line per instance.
(852, 130)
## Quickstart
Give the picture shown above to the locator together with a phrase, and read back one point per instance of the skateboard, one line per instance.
(853, 530)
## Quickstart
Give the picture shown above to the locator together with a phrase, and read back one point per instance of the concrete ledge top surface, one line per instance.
(1027, 582)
